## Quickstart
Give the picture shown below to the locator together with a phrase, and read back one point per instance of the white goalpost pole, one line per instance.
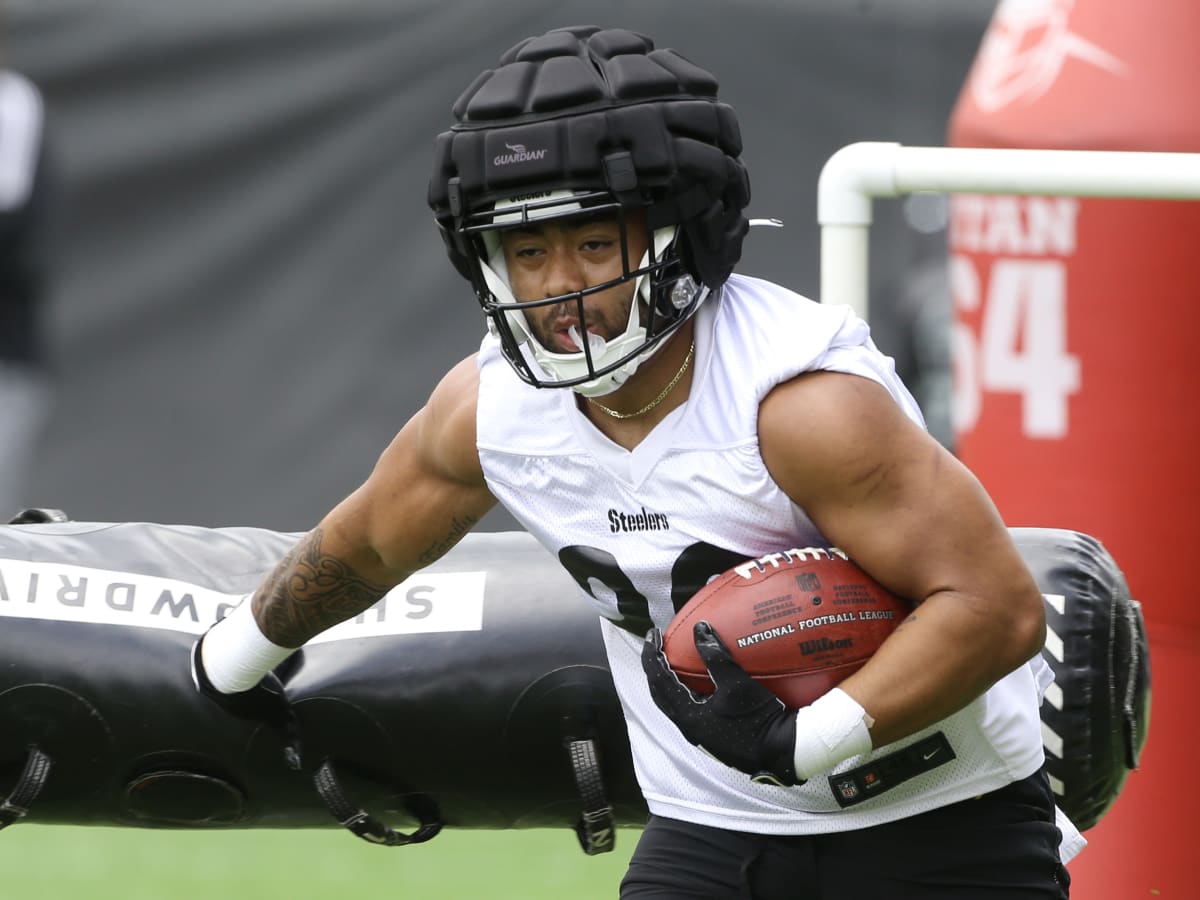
(859, 172)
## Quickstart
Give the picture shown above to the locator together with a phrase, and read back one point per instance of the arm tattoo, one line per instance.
(310, 591)
(458, 528)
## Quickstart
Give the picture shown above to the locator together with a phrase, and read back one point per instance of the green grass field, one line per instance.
(52, 862)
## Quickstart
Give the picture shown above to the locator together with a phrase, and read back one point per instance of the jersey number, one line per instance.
(598, 572)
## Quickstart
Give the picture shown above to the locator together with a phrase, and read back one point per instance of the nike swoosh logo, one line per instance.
(931, 754)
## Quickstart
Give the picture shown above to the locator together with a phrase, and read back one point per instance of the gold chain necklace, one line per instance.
(687, 361)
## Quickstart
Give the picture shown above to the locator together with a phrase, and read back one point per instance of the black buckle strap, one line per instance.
(362, 823)
(596, 828)
(33, 778)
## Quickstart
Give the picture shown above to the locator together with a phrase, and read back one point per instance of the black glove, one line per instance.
(741, 723)
(266, 703)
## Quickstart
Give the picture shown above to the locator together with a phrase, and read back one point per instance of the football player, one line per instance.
(653, 419)
(25, 393)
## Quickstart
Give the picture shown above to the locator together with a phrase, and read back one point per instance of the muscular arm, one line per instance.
(426, 491)
(919, 522)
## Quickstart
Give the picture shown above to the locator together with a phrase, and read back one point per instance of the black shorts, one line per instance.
(1000, 846)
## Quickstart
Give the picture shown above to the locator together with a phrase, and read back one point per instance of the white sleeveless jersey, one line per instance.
(642, 530)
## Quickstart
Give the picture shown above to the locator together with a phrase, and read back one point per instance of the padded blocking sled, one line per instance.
(475, 694)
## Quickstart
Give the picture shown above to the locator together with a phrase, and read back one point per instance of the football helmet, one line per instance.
(591, 121)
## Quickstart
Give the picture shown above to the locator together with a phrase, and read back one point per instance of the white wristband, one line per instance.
(236, 654)
(829, 730)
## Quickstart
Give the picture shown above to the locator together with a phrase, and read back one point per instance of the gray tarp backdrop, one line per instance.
(247, 294)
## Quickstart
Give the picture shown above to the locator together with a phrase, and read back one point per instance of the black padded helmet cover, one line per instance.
(585, 108)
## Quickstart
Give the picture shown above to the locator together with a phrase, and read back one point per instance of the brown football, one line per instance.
(798, 621)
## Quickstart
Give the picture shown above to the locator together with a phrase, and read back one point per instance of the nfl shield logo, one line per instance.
(847, 788)
(808, 581)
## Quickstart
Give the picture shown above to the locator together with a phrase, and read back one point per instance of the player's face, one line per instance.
(567, 255)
